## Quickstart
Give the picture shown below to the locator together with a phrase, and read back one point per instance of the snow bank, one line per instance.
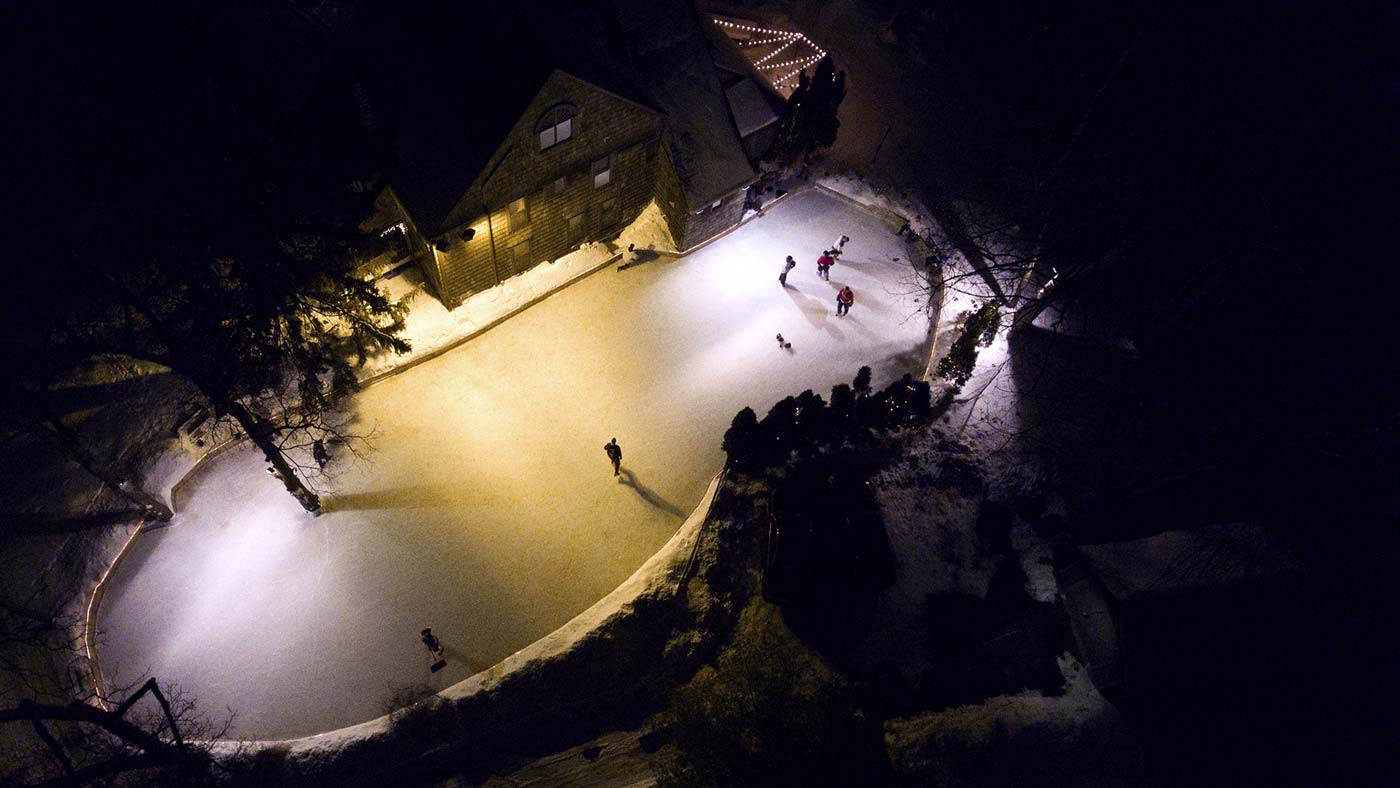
(1078, 737)
(433, 329)
(594, 653)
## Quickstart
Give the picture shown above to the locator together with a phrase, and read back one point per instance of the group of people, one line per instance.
(845, 296)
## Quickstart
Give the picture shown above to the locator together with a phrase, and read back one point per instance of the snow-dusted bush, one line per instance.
(979, 331)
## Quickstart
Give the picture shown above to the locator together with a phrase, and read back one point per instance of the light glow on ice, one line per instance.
(488, 510)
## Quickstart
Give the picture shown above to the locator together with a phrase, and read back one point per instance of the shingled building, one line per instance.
(507, 156)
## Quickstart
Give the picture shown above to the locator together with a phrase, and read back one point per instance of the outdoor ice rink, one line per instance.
(488, 510)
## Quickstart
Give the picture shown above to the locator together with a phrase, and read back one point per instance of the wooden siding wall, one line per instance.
(687, 227)
(700, 227)
(604, 124)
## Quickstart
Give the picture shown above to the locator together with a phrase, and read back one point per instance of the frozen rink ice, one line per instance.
(488, 510)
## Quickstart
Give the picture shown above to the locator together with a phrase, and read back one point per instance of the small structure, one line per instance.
(1181, 608)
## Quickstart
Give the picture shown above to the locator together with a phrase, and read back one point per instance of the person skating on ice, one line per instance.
(840, 245)
(788, 265)
(824, 265)
(614, 453)
(844, 298)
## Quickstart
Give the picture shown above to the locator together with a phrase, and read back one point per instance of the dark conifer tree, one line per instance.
(741, 439)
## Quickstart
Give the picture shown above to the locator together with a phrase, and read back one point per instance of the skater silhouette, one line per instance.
(435, 648)
(614, 453)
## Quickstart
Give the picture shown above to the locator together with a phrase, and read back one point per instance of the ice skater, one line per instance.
(788, 265)
(840, 245)
(783, 343)
(435, 648)
(844, 299)
(319, 453)
(430, 640)
(614, 453)
(824, 265)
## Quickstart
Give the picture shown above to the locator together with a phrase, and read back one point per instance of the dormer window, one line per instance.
(555, 125)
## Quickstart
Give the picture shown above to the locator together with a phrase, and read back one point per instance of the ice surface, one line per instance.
(489, 511)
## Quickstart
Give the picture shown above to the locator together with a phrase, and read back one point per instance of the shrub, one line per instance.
(778, 433)
(741, 440)
(770, 714)
(979, 331)
(813, 427)
(861, 384)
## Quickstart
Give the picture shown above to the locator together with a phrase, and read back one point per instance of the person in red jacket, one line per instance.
(824, 265)
(844, 299)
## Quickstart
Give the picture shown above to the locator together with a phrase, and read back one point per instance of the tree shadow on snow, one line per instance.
(417, 496)
(647, 494)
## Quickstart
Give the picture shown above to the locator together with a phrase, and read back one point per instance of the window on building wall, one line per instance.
(559, 185)
(576, 229)
(519, 215)
(602, 172)
(555, 125)
(607, 215)
(521, 253)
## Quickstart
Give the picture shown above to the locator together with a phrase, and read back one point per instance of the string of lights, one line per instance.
(809, 61)
(759, 63)
(787, 63)
(785, 39)
(766, 41)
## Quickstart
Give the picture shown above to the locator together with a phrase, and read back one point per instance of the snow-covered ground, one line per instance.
(488, 510)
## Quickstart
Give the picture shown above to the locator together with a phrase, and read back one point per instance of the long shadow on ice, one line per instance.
(416, 496)
(815, 310)
(647, 494)
(473, 664)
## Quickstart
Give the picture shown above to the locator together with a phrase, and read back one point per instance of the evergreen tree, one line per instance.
(810, 121)
(812, 420)
(920, 402)
(819, 116)
(841, 412)
(778, 433)
(741, 439)
(861, 383)
(979, 331)
(212, 236)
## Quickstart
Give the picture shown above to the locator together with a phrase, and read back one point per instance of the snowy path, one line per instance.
(489, 511)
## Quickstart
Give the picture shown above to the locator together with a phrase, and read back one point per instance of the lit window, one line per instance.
(519, 215)
(602, 172)
(555, 125)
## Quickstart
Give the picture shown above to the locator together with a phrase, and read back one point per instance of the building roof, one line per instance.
(448, 84)
(671, 64)
(442, 92)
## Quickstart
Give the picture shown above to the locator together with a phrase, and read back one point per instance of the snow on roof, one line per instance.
(1209, 557)
(751, 110)
(669, 63)
(447, 104)
(452, 103)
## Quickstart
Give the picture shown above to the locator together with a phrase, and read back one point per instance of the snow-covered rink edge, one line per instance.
(488, 510)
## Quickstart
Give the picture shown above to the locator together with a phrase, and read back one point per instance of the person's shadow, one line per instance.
(647, 494)
(474, 665)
